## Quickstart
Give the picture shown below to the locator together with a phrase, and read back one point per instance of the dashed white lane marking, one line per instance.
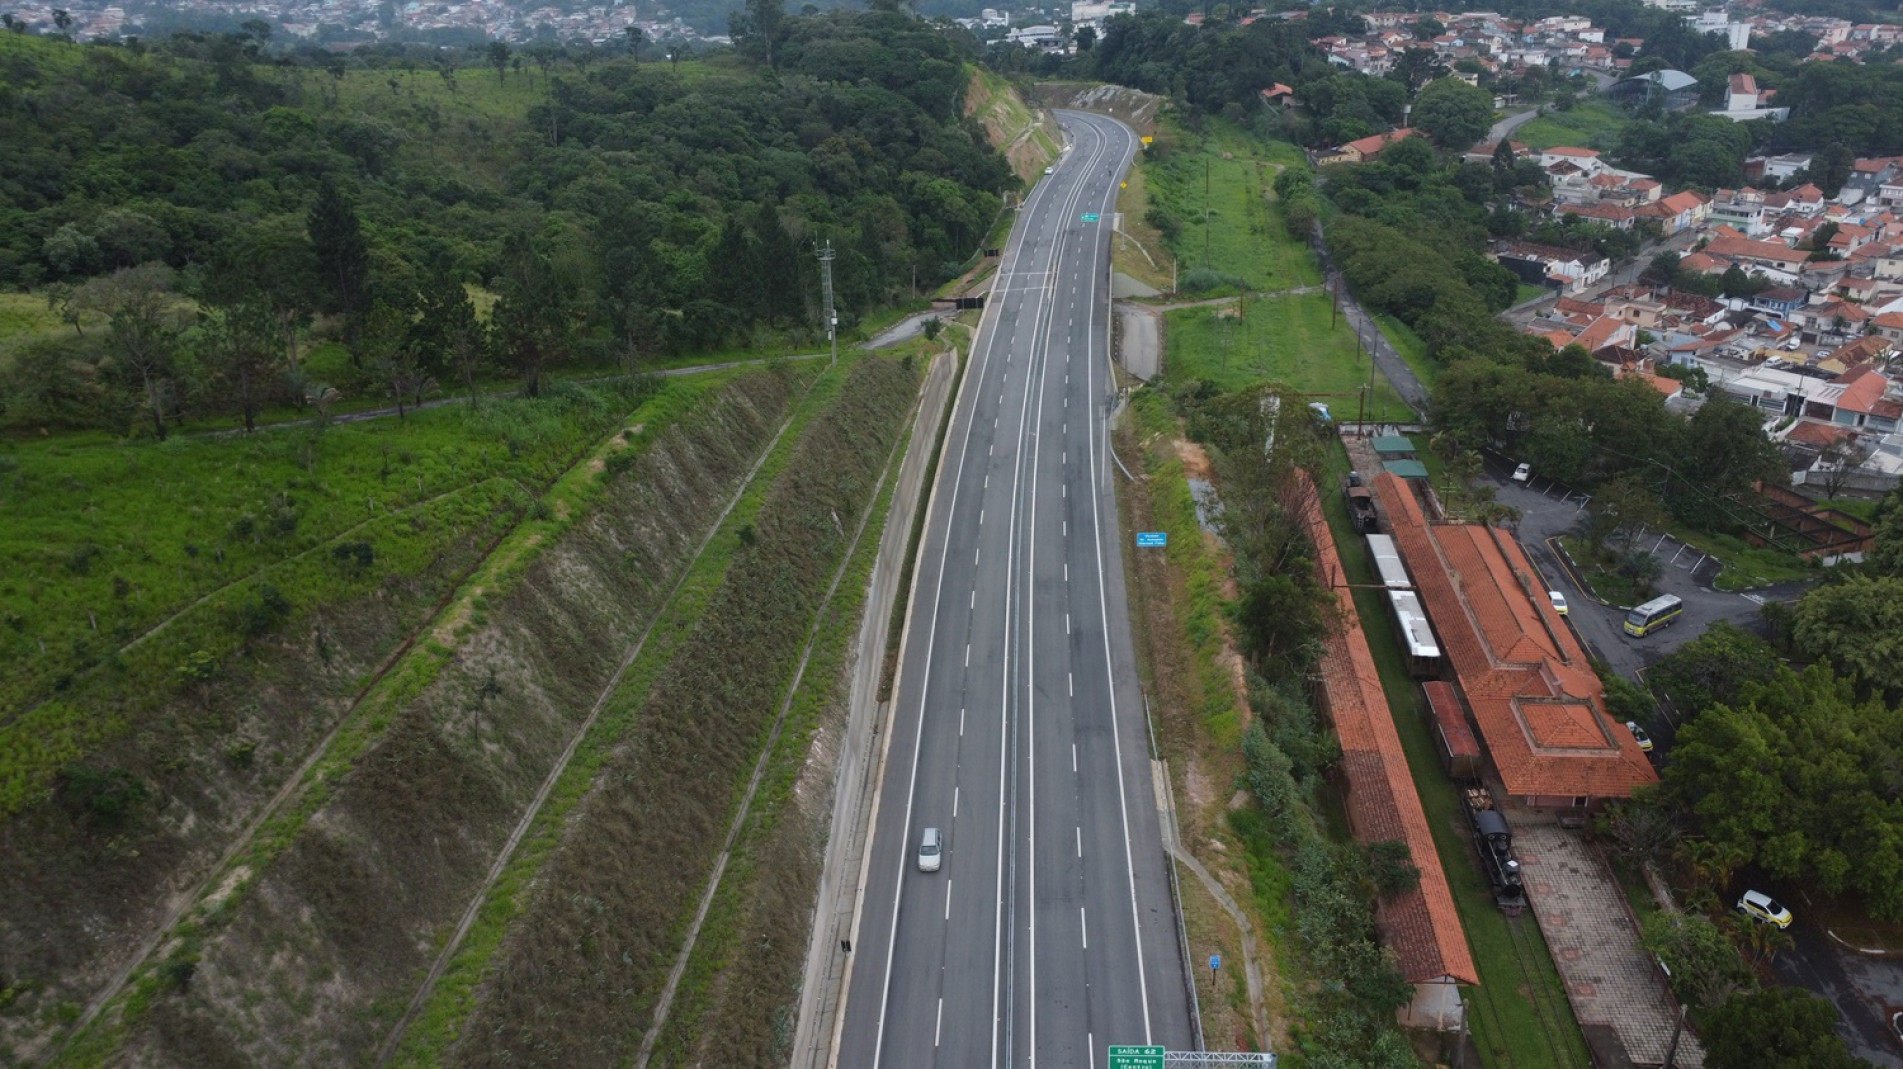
(1080, 830)
(961, 723)
(954, 806)
(947, 900)
(967, 655)
(939, 1028)
(1070, 685)
(1083, 932)
(1073, 768)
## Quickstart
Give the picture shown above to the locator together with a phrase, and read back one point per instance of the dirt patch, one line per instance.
(1195, 459)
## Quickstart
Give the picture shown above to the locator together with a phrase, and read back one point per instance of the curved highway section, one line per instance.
(1047, 933)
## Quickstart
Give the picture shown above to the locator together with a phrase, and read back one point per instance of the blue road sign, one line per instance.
(1150, 539)
(1215, 962)
(1090, 217)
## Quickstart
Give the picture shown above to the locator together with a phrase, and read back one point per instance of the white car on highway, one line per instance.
(931, 850)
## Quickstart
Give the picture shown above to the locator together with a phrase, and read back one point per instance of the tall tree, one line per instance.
(498, 55)
(781, 277)
(243, 350)
(529, 323)
(1857, 625)
(1776, 1028)
(343, 259)
(1453, 113)
(142, 323)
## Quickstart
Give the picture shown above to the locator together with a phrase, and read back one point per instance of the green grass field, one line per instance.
(1519, 1015)
(1283, 339)
(1412, 349)
(107, 541)
(1590, 124)
(1220, 187)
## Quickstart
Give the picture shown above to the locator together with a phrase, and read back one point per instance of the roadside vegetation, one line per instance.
(1212, 197)
(270, 667)
(1233, 614)
(621, 880)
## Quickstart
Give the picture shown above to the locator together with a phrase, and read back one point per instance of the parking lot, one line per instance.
(1549, 510)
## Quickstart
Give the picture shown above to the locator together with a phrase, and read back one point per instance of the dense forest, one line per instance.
(218, 214)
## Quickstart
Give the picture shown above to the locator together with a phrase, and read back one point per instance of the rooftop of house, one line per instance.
(1422, 925)
(1532, 690)
(1863, 388)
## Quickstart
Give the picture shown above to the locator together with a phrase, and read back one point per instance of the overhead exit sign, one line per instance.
(1136, 1058)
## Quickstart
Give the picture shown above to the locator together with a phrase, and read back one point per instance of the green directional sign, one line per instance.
(1136, 1058)
(1091, 217)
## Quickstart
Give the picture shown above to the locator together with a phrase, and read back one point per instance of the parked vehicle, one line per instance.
(1649, 617)
(1639, 736)
(1760, 906)
(1523, 473)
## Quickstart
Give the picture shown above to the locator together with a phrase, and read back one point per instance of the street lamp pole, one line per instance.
(826, 286)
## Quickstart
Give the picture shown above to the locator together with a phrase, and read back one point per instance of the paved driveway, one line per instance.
(1865, 990)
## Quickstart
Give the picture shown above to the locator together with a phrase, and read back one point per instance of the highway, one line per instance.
(1018, 726)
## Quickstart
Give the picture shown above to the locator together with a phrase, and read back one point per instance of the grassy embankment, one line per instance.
(1519, 1015)
(139, 568)
(582, 963)
(1235, 231)
(1010, 124)
(1215, 192)
(411, 795)
(1180, 607)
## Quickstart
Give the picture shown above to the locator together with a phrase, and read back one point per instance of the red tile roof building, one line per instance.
(1421, 926)
(1532, 691)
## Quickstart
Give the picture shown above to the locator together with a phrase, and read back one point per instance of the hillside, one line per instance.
(320, 687)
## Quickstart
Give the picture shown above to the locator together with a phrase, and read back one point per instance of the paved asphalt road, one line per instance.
(1018, 727)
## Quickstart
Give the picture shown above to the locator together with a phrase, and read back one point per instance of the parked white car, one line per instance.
(1758, 905)
(1523, 473)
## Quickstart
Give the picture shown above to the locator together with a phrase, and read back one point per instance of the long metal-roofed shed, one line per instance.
(1394, 447)
(1405, 469)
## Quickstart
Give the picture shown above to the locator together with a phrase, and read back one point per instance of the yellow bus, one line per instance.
(1654, 614)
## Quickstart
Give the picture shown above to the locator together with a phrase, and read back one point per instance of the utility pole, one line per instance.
(826, 285)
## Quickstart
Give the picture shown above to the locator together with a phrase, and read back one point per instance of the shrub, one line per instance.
(1205, 280)
(265, 611)
(109, 794)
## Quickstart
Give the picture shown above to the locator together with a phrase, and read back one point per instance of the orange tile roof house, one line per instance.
(1532, 692)
(1422, 926)
(1367, 148)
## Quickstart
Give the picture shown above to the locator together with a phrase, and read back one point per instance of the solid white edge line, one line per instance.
(1116, 736)
(987, 340)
